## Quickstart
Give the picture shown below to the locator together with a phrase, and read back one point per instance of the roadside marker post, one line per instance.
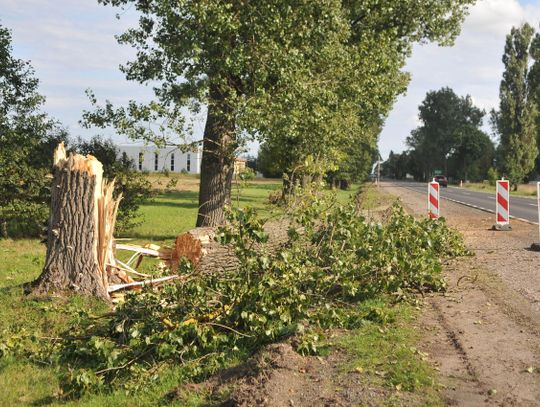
(502, 206)
(433, 200)
(536, 246)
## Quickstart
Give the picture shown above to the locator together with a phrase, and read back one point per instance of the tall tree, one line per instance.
(450, 129)
(27, 139)
(515, 121)
(311, 72)
(534, 87)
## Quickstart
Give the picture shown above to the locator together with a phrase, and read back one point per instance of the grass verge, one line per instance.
(384, 353)
(523, 189)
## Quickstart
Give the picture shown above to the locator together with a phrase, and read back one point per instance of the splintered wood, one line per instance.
(81, 250)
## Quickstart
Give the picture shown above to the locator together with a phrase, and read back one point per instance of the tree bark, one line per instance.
(217, 165)
(206, 255)
(81, 223)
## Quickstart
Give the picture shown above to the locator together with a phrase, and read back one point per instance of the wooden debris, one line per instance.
(138, 284)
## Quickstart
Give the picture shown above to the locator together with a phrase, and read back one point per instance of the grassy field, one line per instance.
(167, 215)
(523, 189)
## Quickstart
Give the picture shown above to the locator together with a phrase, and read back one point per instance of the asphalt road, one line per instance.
(522, 208)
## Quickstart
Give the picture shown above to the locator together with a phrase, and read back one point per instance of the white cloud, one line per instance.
(472, 66)
(72, 47)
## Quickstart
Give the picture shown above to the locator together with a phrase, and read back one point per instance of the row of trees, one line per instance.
(28, 137)
(517, 121)
(450, 138)
(313, 81)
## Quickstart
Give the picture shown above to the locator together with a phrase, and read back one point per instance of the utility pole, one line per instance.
(379, 172)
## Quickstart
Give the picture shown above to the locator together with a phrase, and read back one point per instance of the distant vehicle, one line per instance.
(441, 179)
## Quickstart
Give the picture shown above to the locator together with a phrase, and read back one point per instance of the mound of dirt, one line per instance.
(277, 376)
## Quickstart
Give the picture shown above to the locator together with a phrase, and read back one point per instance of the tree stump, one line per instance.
(80, 246)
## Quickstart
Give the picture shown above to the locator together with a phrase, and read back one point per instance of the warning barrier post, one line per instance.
(536, 246)
(433, 200)
(502, 206)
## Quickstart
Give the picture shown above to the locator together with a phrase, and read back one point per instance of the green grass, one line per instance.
(523, 190)
(383, 351)
(175, 212)
(372, 197)
(171, 213)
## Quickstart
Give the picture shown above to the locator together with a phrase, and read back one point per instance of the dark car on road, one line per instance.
(441, 179)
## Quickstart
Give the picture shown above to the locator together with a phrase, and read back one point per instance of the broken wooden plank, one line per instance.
(152, 282)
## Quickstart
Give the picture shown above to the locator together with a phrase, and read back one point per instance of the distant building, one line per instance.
(154, 159)
(239, 165)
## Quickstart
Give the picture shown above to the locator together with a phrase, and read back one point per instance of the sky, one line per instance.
(473, 66)
(71, 45)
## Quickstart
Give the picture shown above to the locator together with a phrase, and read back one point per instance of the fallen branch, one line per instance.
(152, 282)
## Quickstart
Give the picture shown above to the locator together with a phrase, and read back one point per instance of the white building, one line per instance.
(154, 159)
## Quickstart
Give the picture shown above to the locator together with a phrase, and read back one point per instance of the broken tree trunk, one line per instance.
(80, 247)
(207, 255)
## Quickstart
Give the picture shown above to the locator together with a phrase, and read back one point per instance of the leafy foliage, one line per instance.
(314, 79)
(515, 121)
(449, 138)
(27, 138)
(333, 259)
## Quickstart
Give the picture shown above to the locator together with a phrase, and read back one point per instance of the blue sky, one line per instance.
(72, 47)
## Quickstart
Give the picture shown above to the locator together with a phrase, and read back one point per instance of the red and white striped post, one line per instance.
(502, 206)
(538, 204)
(433, 200)
(536, 246)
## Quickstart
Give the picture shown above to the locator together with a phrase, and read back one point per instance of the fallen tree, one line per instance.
(81, 250)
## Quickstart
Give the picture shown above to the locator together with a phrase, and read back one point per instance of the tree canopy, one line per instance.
(515, 121)
(27, 139)
(450, 133)
(314, 75)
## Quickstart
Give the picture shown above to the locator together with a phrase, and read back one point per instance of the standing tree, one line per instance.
(27, 139)
(474, 150)
(314, 73)
(534, 87)
(515, 121)
(450, 130)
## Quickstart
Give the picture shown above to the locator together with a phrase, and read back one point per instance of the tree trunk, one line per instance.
(81, 223)
(206, 255)
(217, 165)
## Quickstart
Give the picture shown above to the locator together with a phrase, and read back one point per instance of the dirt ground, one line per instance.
(484, 333)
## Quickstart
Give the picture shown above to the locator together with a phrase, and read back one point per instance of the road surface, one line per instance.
(523, 208)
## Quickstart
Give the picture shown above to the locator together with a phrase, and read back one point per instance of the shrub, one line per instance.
(493, 176)
(246, 174)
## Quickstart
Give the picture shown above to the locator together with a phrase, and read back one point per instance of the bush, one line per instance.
(246, 174)
(493, 176)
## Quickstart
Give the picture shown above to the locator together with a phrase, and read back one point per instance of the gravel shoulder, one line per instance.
(484, 333)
